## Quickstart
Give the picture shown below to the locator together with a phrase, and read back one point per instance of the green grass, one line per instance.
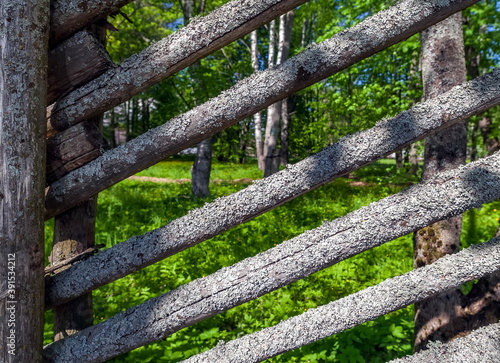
(182, 170)
(133, 207)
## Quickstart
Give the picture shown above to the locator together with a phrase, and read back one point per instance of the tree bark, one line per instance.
(166, 57)
(285, 124)
(274, 112)
(72, 148)
(23, 87)
(447, 194)
(70, 16)
(348, 154)
(361, 307)
(201, 169)
(246, 98)
(443, 66)
(74, 63)
(74, 232)
(257, 117)
(202, 166)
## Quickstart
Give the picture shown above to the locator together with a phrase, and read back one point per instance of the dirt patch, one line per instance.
(181, 181)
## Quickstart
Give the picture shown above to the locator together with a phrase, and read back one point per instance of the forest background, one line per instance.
(352, 100)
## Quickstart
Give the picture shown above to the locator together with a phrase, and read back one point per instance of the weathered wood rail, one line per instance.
(83, 82)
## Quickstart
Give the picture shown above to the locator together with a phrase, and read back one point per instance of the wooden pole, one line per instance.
(23, 78)
(74, 232)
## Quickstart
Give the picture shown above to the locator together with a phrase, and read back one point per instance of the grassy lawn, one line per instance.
(135, 207)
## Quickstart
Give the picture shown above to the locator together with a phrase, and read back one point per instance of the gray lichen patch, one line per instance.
(390, 295)
(482, 345)
(446, 195)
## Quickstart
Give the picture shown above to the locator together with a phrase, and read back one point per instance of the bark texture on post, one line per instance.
(245, 98)
(23, 80)
(443, 67)
(70, 16)
(360, 307)
(74, 232)
(74, 63)
(447, 194)
(200, 38)
(334, 161)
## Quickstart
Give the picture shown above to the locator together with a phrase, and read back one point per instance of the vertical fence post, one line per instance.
(74, 232)
(23, 78)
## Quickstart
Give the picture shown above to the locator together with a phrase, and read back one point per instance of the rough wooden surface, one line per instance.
(23, 79)
(482, 345)
(442, 62)
(336, 160)
(447, 194)
(72, 148)
(390, 295)
(70, 16)
(201, 37)
(246, 98)
(75, 62)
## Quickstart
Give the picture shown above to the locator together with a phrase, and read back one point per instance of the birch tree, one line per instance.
(274, 112)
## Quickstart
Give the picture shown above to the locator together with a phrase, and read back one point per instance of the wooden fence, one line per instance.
(80, 171)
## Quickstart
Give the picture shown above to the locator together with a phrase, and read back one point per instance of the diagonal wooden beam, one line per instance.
(388, 296)
(482, 345)
(343, 157)
(70, 16)
(244, 99)
(445, 195)
(201, 37)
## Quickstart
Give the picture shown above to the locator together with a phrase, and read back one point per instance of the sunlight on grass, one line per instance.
(134, 207)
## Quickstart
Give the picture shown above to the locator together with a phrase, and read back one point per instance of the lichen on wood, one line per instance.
(201, 37)
(70, 16)
(336, 160)
(244, 99)
(447, 194)
(23, 79)
(368, 304)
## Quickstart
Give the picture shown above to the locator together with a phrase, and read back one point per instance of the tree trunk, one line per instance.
(227, 212)
(257, 117)
(492, 144)
(399, 159)
(285, 124)
(443, 66)
(249, 96)
(274, 112)
(23, 91)
(201, 169)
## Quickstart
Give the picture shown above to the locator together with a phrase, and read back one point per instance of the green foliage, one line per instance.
(133, 207)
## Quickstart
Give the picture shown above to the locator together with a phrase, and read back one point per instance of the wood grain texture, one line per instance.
(23, 80)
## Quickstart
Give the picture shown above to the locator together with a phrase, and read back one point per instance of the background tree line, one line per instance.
(354, 99)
